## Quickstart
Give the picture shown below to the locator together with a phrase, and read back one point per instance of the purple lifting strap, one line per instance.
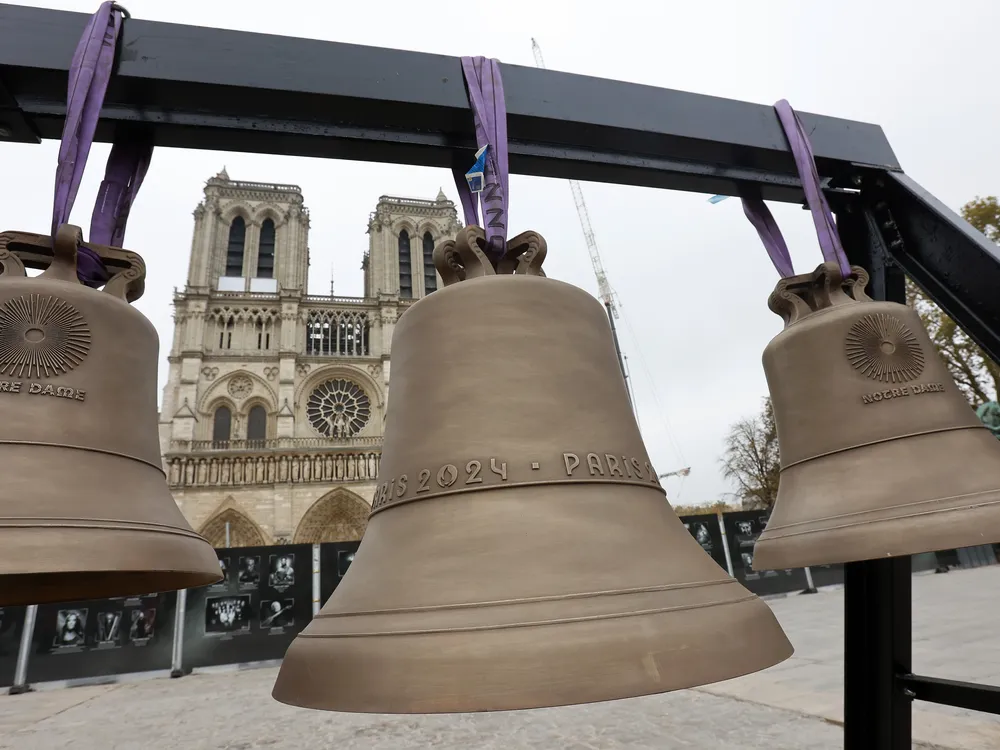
(482, 77)
(826, 229)
(89, 75)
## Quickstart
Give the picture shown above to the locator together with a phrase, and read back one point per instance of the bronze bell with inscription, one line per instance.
(85, 511)
(520, 552)
(881, 455)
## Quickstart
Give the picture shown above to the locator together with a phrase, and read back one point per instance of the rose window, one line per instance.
(338, 408)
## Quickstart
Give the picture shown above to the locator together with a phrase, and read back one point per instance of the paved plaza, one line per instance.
(796, 704)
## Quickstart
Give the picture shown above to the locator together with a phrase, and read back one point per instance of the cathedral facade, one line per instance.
(273, 412)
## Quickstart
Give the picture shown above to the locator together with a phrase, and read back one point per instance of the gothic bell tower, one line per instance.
(249, 237)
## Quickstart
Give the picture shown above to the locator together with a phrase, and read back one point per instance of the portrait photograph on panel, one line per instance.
(108, 628)
(277, 613)
(71, 625)
(249, 575)
(281, 573)
(344, 560)
(227, 614)
(143, 622)
(224, 569)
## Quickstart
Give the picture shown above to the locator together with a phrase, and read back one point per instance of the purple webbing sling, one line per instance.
(482, 77)
(89, 75)
(826, 229)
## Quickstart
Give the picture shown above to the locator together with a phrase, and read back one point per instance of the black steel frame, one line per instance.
(194, 87)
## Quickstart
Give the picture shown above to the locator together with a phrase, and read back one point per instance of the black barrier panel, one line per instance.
(334, 560)
(77, 640)
(742, 529)
(11, 625)
(705, 529)
(255, 612)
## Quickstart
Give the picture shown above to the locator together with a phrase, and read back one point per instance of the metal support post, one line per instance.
(24, 653)
(810, 586)
(725, 545)
(177, 655)
(877, 593)
(315, 579)
(877, 651)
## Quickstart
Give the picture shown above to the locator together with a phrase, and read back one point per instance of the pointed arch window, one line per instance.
(226, 328)
(430, 278)
(265, 251)
(405, 275)
(257, 426)
(222, 425)
(234, 250)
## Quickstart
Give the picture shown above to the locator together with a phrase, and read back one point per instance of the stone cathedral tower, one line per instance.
(274, 406)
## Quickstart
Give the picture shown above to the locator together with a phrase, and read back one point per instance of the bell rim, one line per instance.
(901, 535)
(100, 564)
(312, 664)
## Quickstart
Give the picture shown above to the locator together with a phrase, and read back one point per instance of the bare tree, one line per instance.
(751, 459)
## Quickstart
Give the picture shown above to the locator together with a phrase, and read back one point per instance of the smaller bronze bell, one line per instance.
(85, 511)
(881, 455)
(520, 552)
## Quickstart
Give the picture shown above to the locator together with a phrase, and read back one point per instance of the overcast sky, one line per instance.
(922, 70)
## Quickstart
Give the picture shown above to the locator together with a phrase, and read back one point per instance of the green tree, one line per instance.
(751, 459)
(974, 372)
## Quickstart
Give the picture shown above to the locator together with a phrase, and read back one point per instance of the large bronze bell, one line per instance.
(85, 511)
(521, 552)
(881, 455)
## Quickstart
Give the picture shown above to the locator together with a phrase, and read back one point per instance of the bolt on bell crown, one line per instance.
(85, 511)
(881, 455)
(521, 552)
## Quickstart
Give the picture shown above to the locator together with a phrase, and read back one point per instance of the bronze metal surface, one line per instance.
(521, 552)
(881, 455)
(85, 511)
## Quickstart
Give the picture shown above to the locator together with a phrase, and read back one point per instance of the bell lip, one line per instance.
(771, 646)
(73, 586)
(99, 564)
(898, 536)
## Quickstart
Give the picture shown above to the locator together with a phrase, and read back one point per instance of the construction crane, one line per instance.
(604, 290)
(608, 295)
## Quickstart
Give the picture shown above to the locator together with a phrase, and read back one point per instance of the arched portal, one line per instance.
(242, 531)
(340, 516)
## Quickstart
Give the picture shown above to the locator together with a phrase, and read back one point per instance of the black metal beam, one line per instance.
(968, 695)
(198, 87)
(951, 261)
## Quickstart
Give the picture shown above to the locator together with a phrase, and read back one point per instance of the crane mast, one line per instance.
(604, 290)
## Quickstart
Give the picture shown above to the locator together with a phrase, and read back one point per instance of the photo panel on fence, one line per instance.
(705, 529)
(11, 626)
(77, 640)
(742, 530)
(254, 613)
(334, 560)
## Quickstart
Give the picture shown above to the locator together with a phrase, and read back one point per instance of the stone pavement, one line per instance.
(796, 704)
